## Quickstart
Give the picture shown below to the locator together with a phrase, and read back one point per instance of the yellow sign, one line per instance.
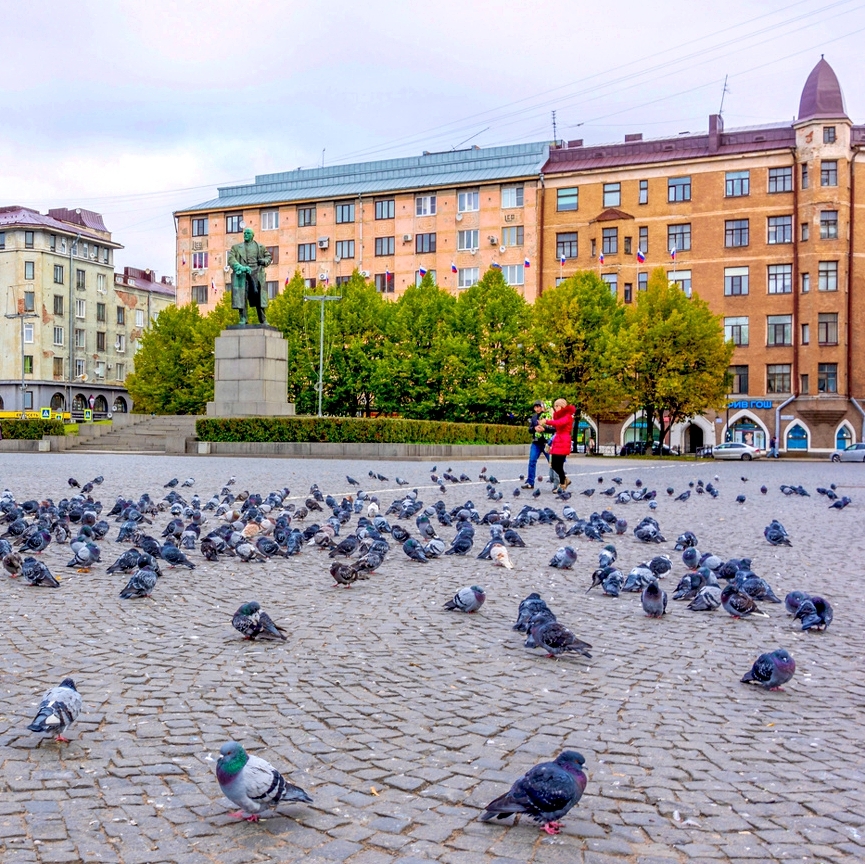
(88, 415)
(45, 413)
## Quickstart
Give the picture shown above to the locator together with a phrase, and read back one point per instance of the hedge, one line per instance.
(342, 430)
(31, 429)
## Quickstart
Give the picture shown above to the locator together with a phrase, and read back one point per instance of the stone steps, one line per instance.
(157, 434)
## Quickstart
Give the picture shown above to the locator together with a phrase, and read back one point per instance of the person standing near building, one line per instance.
(773, 447)
(562, 424)
(538, 446)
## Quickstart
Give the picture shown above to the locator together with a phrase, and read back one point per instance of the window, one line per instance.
(28, 364)
(418, 278)
(827, 328)
(345, 248)
(58, 304)
(736, 331)
(80, 308)
(739, 380)
(512, 196)
(682, 278)
(828, 134)
(644, 192)
(514, 274)
(806, 282)
(804, 175)
(199, 294)
(512, 236)
(467, 276)
(644, 239)
(80, 338)
(344, 213)
(679, 189)
(269, 220)
(467, 240)
(233, 223)
(274, 254)
(425, 205)
(780, 229)
(735, 281)
(737, 184)
(829, 225)
(199, 260)
(58, 335)
(29, 301)
(342, 280)
(139, 318)
(272, 289)
(2, 239)
(566, 245)
(28, 334)
(29, 270)
(806, 334)
(100, 282)
(100, 311)
(803, 384)
(780, 278)
(28, 239)
(735, 233)
(779, 330)
(121, 314)
(424, 243)
(79, 368)
(628, 295)
(120, 344)
(385, 209)
(628, 246)
(468, 201)
(305, 216)
(778, 378)
(612, 280)
(80, 279)
(594, 243)
(306, 251)
(100, 340)
(828, 172)
(28, 400)
(679, 237)
(610, 241)
(827, 378)
(199, 227)
(806, 231)
(120, 371)
(309, 283)
(827, 276)
(105, 254)
(384, 246)
(642, 281)
(567, 199)
(58, 367)
(384, 283)
(780, 180)
(52, 242)
(612, 194)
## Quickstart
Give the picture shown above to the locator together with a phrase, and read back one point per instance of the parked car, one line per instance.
(853, 453)
(736, 450)
(638, 448)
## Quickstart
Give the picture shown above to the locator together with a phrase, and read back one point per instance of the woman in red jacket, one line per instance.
(562, 424)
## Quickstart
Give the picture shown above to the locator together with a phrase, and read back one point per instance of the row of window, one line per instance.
(57, 370)
(778, 379)
(80, 249)
(779, 330)
(80, 338)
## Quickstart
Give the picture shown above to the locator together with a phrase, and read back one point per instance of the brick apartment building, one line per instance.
(762, 220)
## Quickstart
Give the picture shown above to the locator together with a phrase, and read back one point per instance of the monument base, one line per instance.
(250, 373)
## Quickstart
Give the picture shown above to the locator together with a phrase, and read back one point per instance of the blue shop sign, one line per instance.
(753, 403)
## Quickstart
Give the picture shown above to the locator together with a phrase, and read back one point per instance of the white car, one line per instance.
(736, 450)
(853, 453)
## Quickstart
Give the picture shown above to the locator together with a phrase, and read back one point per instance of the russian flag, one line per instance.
(287, 280)
(562, 260)
(212, 285)
(601, 258)
(640, 256)
(526, 264)
(496, 265)
(453, 267)
(422, 271)
(183, 259)
(673, 253)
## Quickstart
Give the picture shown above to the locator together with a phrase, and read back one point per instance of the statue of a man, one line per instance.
(248, 260)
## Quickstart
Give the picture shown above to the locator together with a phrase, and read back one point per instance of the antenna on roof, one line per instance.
(470, 138)
(724, 92)
(555, 138)
(322, 156)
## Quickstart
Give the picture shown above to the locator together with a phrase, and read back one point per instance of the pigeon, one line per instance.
(140, 584)
(499, 556)
(794, 600)
(815, 613)
(684, 496)
(532, 605)
(707, 600)
(756, 588)
(37, 573)
(468, 599)
(546, 793)
(461, 545)
(564, 559)
(776, 534)
(171, 483)
(555, 638)
(414, 550)
(175, 557)
(686, 540)
(841, 503)
(654, 600)
(740, 499)
(126, 562)
(343, 574)
(189, 481)
(771, 670)
(252, 621)
(73, 483)
(251, 783)
(738, 604)
(58, 710)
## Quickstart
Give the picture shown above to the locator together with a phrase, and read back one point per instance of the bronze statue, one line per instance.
(248, 260)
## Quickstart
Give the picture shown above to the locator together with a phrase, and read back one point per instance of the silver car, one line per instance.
(735, 450)
(853, 453)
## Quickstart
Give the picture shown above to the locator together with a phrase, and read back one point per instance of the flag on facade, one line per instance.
(183, 259)
(673, 253)
(421, 270)
(601, 258)
(640, 256)
(526, 264)
(562, 260)
(212, 285)
(287, 280)
(453, 267)
(496, 265)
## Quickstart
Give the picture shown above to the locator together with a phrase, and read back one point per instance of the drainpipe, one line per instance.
(778, 411)
(850, 277)
(795, 277)
(861, 410)
(540, 234)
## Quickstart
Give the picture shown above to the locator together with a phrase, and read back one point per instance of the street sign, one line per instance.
(88, 415)
(45, 413)
(788, 416)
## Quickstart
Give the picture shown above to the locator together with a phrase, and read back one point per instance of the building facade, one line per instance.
(69, 329)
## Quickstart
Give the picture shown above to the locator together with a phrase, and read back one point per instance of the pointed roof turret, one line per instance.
(821, 97)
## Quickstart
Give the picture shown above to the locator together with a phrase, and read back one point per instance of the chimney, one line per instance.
(578, 142)
(716, 127)
(635, 136)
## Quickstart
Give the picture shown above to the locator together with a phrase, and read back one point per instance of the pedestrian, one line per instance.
(538, 446)
(562, 423)
(591, 446)
(773, 447)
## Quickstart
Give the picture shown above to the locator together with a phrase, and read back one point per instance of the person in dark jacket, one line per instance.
(562, 424)
(538, 446)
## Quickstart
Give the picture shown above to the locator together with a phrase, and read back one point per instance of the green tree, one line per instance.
(671, 357)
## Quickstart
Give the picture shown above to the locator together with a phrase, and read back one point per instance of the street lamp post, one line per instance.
(321, 298)
(22, 316)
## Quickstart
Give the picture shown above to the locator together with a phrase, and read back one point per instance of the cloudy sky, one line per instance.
(135, 109)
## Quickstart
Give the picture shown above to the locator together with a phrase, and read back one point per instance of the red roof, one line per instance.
(24, 216)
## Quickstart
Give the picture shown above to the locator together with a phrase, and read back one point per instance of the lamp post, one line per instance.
(320, 298)
(22, 316)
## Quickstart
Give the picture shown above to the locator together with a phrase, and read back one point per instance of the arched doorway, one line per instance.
(120, 406)
(797, 437)
(694, 438)
(583, 433)
(1, 403)
(746, 431)
(58, 402)
(100, 404)
(79, 403)
(636, 431)
(843, 437)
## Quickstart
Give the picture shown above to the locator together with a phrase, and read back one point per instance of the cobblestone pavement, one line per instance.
(403, 720)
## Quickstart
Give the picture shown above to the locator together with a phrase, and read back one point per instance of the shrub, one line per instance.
(31, 429)
(344, 430)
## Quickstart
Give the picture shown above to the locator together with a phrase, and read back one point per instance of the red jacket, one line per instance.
(563, 423)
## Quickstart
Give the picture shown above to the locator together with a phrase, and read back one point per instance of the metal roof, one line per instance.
(430, 170)
(24, 216)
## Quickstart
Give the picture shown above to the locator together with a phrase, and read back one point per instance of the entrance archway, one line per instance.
(746, 431)
(58, 402)
(694, 438)
(797, 437)
(100, 404)
(843, 437)
(79, 403)
(120, 406)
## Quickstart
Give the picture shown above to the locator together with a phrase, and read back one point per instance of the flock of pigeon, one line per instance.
(255, 528)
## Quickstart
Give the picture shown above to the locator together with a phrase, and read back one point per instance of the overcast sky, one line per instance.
(136, 109)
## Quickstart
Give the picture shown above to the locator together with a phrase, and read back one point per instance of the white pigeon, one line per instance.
(499, 556)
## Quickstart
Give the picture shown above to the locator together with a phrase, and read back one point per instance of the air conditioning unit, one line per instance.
(227, 268)
(502, 249)
(197, 273)
(494, 241)
(459, 217)
(474, 251)
(110, 366)
(337, 258)
(322, 277)
(365, 274)
(406, 238)
(323, 242)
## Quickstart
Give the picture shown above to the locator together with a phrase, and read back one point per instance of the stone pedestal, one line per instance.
(250, 373)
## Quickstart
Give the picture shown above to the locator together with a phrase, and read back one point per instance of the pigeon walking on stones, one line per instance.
(771, 670)
(343, 574)
(707, 600)
(654, 600)
(140, 584)
(555, 638)
(776, 534)
(251, 620)
(468, 599)
(59, 708)
(564, 559)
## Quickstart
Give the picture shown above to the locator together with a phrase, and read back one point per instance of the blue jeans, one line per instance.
(535, 453)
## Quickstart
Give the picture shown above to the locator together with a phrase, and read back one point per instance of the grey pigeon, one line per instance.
(140, 584)
(468, 599)
(555, 638)
(528, 609)
(794, 600)
(37, 573)
(435, 548)
(654, 600)
(461, 544)
(175, 557)
(59, 708)
(776, 534)
(564, 559)
(414, 550)
(251, 783)
(343, 574)
(738, 604)
(771, 670)
(707, 600)
(546, 793)
(252, 621)
(815, 613)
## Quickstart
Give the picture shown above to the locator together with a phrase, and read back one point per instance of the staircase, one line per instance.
(137, 434)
